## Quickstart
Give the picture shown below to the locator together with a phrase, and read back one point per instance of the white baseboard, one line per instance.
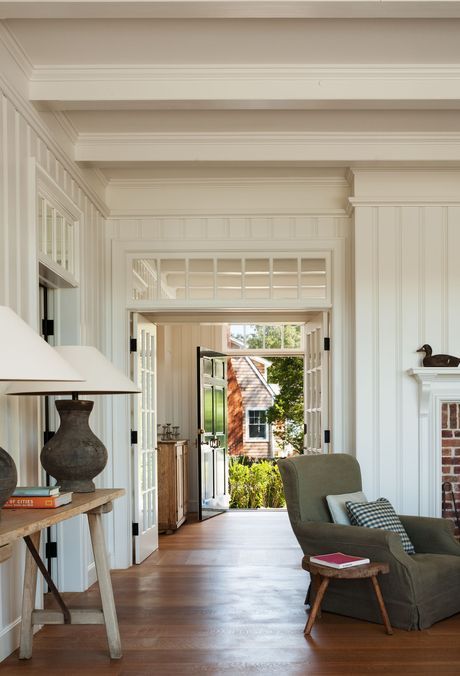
(9, 638)
(92, 577)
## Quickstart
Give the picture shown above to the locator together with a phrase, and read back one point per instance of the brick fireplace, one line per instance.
(450, 432)
(439, 439)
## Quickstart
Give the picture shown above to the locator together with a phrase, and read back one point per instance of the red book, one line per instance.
(338, 560)
(23, 502)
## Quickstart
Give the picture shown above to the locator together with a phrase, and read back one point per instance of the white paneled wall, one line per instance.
(22, 144)
(407, 287)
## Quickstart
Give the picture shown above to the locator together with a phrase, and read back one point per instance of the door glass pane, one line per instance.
(49, 230)
(208, 410)
(173, 278)
(41, 228)
(219, 427)
(59, 239)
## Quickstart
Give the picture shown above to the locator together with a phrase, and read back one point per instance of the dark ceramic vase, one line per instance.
(74, 455)
(8, 476)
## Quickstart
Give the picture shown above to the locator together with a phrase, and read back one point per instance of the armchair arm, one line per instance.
(374, 543)
(431, 536)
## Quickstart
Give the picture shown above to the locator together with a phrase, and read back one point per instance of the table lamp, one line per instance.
(25, 356)
(74, 455)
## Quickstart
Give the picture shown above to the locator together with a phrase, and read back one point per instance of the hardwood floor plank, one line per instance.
(226, 597)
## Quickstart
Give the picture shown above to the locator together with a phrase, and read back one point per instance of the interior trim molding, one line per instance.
(195, 213)
(33, 119)
(16, 51)
(344, 147)
(258, 72)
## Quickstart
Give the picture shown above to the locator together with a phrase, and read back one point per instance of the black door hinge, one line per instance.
(51, 550)
(305, 428)
(135, 529)
(47, 327)
(327, 344)
(133, 344)
(47, 435)
(327, 436)
(133, 436)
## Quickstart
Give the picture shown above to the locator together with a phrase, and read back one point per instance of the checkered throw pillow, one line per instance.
(379, 514)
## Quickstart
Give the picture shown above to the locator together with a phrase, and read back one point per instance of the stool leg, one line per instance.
(316, 605)
(383, 610)
(315, 585)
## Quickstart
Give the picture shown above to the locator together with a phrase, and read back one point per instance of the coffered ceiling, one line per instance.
(149, 86)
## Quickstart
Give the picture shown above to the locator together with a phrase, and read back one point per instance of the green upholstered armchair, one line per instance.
(420, 589)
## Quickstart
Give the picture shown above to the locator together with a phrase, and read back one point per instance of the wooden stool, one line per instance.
(321, 575)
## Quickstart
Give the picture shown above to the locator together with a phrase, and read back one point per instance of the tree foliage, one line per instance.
(287, 412)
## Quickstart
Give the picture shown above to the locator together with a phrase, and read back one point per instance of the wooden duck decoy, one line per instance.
(431, 359)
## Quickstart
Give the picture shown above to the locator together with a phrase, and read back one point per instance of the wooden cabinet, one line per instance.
(172, 484)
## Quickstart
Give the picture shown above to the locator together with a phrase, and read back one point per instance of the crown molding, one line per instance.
(230, 9)
(235, 212)
(343, 147)
(32, 118)
(66, 125)
(272, 85)
(185, 71)
(16, 51)
(316, 181)
(398, 201)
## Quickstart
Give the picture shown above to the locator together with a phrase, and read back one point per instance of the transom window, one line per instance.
(58, 220)
(265, 337)
(257, 425)
(56, 235)
(233, 280)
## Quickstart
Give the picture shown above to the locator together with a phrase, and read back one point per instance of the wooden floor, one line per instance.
(226, 597)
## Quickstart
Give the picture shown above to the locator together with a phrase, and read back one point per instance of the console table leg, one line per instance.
(105, 585)
(28, 601)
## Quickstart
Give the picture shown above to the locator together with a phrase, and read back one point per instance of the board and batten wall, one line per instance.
(407, 293)
(246, 215)
(25, 144)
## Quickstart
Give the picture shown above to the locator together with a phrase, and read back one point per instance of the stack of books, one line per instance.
(37, 497)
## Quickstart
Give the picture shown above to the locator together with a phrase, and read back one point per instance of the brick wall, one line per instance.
(451, 458)
(235, 412)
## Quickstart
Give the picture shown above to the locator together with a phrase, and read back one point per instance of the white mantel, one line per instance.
(436, 386)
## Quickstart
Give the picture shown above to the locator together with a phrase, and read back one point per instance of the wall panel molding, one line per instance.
(405, 281)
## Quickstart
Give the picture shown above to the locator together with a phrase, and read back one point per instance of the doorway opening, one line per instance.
(272, 342)
(265, 410)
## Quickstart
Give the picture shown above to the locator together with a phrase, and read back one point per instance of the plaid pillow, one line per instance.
(379, 514)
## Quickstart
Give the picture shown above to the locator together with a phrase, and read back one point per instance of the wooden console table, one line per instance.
(28, 524)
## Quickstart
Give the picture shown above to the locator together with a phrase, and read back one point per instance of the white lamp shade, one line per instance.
(101, 376)
(24, 355)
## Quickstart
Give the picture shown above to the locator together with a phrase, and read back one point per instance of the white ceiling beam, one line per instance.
(300, 147)
(251, 86)
(221, 9)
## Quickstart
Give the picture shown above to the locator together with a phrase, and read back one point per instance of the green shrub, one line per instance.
(255, 484)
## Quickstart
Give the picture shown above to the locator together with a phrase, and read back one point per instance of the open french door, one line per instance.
(212, 433)
(317, 437)
(144, 414)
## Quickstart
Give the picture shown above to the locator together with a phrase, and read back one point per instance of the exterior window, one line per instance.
(257, 425)
(266, 337)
